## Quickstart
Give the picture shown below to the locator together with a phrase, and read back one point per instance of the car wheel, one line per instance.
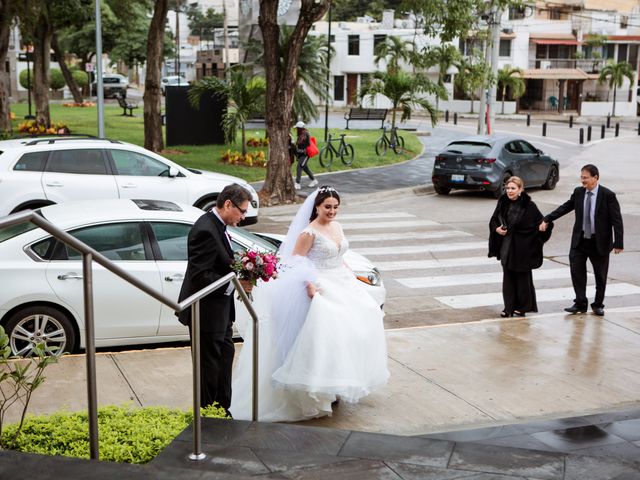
(207, 204)
(552, 178)
(502, 185)
(40, 325)
(441, 190)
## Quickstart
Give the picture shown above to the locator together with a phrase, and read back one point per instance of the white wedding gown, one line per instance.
(339, 352)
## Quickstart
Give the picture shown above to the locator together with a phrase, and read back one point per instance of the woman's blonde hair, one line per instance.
(517, 180)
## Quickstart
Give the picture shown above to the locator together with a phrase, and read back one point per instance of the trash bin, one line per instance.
(188, 126)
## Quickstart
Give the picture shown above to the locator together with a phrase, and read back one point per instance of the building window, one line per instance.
(505, 47)
(608, 50)
(338, 88)
(516, 13)
(624, 21)
(378, 40)
(622, 52)
(555, 14)
(354, 45)
(633, 55)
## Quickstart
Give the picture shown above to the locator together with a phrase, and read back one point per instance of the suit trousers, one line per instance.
(216, 362)
(518, 291)
(578, 256)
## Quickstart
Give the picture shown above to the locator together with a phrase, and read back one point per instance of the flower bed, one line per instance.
(257, 142)
(32, 127)
(250, 159)
(81, 104)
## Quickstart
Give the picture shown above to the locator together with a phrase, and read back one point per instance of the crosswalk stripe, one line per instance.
(436, 247)
(381, 237)
(396, 224)
(350, 216)
(543, 295)
(477, 278)
(433, 263)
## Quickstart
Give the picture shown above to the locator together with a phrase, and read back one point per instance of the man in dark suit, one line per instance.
(209, 258)
(597, 230)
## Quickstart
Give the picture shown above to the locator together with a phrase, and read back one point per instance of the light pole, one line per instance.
(29, 49)
(326, 107)
(100, 91)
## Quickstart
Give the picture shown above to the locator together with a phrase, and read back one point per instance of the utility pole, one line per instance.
(483, 96)
(176, 66)
(496, 15)
(225, 28)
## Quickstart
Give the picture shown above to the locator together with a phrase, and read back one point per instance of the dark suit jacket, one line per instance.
(210, 258)
(608, 219)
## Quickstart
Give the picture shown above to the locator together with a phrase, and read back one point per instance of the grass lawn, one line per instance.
(208, 157)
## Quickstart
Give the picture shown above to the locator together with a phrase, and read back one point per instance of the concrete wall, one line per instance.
(623, 109)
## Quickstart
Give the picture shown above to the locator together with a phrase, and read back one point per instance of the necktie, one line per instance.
(586, 224)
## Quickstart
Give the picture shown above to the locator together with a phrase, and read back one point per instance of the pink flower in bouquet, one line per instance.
(252, 265)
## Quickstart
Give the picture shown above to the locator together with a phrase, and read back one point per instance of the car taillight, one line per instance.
(439, 158)
(485, 160)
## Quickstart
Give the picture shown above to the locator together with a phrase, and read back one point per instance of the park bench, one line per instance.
(126, 106)
(366, 114)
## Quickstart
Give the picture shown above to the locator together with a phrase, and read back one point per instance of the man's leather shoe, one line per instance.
(598, 311)
(576, 309)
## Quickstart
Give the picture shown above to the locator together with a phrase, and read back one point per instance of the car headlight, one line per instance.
(370, 277)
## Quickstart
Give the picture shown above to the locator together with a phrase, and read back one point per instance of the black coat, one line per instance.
(210, 258)
(520, 249)
(607, 223)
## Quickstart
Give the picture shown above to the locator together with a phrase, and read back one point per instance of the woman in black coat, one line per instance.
(515, 240)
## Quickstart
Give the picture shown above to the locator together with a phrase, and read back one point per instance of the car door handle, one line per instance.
(129, 185)
(70, 276)
(176, 277)
(55, 184)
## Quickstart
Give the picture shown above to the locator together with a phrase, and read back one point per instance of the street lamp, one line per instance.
(29, 49)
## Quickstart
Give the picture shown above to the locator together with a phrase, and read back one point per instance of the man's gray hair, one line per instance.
(234, 192)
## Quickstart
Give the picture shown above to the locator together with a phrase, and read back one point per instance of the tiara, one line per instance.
(327, 189)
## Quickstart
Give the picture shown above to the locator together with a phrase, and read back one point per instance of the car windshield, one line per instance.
(469, 148)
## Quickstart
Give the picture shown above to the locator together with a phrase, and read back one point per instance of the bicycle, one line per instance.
(391, 140)
(344, 151)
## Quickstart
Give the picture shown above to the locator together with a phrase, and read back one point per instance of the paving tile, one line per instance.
(508, 461)
(624, 451)
(422, 472)
(419, 451)
(579, 437)
(353, 470)
(282, 460)
(609, 417)
(627, 429)
(477, 434)
(525, 441)
(231, 459)
(292, 438)
(216, 431)
(579, 467)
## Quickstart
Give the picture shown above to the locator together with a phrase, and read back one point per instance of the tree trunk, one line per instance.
(504, 93)
(281, 83)
(613, 112)
(5, 27)
(41, 61)
(66, 73)
(155, 45)
(244, 141)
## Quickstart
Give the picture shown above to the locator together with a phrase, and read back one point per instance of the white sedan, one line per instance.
(42, 298)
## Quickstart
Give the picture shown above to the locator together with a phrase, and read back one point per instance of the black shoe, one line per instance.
(506, 315)
(599, 311)
(335, 403)
(576, 309)
(516, 313)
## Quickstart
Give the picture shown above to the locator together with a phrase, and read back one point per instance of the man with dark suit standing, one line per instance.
(597, 230)
(209, 258)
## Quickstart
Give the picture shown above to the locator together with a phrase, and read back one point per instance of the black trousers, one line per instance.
(303, 160)
(216, 362)
(518, 291)
(578, 262)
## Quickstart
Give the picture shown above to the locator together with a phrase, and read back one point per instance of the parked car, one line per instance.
(43, 301)
(173, 80)
(113, 85)
(483, 162)
(44, 171)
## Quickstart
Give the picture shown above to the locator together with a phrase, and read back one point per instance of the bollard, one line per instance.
(455, 118)
(617, 129)
(589, 133)
(446, 116)
(602, 132)
(529, 121)
(608, 121)
(570, 121)
(581, 136)
(638, 128)
(544, 129)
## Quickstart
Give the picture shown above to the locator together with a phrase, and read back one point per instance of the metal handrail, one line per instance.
(89, 255)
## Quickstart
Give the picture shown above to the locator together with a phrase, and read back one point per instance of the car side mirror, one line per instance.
(173, 172)
(539, 152)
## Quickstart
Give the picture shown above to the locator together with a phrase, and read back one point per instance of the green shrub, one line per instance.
(126, 434)
(23, 78)
(80, 77)
(56, 79)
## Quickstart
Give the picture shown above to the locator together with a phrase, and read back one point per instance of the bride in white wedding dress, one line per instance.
(321, 334)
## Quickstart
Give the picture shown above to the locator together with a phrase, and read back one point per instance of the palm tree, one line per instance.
(444, 57)
(394, 50)
(403, 90)
(472, 76)
(511, 77)
(245, 95)
(614, 73)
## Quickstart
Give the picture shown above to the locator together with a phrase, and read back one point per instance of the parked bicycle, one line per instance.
(344, 151)
(390, 139)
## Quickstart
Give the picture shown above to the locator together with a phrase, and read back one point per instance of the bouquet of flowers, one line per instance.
(253, 266)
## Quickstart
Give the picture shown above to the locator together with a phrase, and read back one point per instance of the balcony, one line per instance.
(589, 65)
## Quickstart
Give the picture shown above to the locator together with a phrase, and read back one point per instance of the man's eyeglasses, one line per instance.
(242, 210)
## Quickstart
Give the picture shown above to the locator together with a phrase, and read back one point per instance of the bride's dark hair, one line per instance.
(324, 192)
